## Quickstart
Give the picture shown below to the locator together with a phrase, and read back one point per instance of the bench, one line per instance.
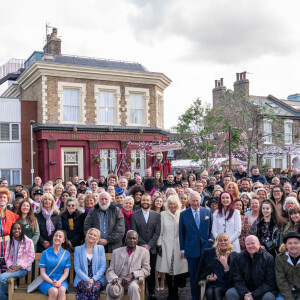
(20, 293)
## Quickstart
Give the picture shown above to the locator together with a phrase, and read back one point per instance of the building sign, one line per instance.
(171, 155)
(166, 147)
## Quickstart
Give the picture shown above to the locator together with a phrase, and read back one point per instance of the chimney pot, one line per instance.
(221, 81)
(54, 32)
(216, 83)
(237, 76)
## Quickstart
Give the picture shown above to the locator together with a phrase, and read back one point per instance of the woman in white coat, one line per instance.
(227, 219)
(169, 260)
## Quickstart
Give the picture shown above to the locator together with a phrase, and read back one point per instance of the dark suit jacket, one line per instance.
(148, 232)
(194, 241)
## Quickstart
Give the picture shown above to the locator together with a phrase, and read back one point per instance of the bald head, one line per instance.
(252, 244)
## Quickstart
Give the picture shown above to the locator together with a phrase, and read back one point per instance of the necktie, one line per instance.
(197, 219)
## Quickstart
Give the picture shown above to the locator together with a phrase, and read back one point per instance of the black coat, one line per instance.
(56, 220)
(207, 265)
(238, 176)
(74, 236)
(256, 275)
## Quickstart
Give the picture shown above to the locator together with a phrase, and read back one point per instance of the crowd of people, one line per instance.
(233, 234)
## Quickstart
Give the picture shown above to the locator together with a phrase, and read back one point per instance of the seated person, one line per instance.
(17, 266)
(126, 266)
(90, 266)
(253, 274)
(287, 268)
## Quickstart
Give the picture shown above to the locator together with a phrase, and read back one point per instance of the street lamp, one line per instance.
(31, 122)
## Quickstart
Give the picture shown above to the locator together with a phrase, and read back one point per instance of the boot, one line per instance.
(170, 287)
(175, 293)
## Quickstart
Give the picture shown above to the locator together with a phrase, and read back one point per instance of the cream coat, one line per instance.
(169, 241)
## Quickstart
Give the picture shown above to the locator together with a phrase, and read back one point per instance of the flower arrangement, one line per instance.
(97, 159)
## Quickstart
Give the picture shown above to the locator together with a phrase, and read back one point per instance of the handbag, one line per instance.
(36, 282)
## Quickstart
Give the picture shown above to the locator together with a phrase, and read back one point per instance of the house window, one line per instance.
(12, 176)
(9, 132)
(139, 161)
(267, 132)
(107, 104)
(71, 105)
(278, 163)
(288, 132)
(108, 160)
(136, 108)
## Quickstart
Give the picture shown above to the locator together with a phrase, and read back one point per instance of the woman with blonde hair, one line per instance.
(233, 189)
(216, 267)
(57, 192)
(49, 221)
(261, 194)
(90, 266)
(169, 258)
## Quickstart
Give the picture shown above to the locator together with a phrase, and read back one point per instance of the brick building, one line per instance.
(287, 110)
(85, 107)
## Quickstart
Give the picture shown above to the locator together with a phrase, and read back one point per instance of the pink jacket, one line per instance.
(25, 255)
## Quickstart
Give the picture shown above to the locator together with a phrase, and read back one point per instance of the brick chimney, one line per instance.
(241, 86)
(218, 92)
(53, 45)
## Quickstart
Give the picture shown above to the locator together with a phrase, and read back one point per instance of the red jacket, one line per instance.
(11, 218)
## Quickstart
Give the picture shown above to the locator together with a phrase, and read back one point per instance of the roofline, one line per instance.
(41, 68)
(284, 105)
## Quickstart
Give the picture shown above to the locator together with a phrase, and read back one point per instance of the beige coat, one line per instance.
(169, 241)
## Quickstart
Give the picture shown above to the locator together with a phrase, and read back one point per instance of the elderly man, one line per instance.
(241, 173)
(48, 188)
(256, 176)
(146, 223)
(287, 268)
(195, 235)
(123, 184)
(253, 274)
(109, 220)
(37, 182)
(126, 266)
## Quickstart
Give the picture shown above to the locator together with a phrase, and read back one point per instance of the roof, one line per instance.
(94, 62)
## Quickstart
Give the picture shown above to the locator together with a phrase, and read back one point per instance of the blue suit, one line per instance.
(194, 241)
(81, 265)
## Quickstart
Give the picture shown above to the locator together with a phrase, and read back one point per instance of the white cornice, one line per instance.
(38, 69)
(12, 91)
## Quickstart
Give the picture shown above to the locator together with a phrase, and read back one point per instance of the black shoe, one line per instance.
(152, 297)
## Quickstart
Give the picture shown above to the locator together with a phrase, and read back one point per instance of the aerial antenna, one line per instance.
(47, 28)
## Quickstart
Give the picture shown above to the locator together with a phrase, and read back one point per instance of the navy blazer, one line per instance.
(194, 241)
(81, 264)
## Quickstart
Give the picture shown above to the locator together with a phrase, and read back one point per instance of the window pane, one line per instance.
(4, 132)
(136, 108)
(6, 174)
(106, 100)
(16, 176)
(71, 105)
(278, 163)
(15, 132)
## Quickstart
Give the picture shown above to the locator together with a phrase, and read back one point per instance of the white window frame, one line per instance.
(80, 160)
(286, 134)
(146, 98)
(10, 140)
(81, 87)
(117, 97)
(134, 155)
(11, 175)
(267, 135)
(113, 160)
(159, 109)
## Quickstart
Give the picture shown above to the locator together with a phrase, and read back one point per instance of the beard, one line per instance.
(104, 207)
(145, 205)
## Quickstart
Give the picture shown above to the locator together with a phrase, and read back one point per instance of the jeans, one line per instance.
(232, 294)
(215, 293)
(3, 281)
(280, 297)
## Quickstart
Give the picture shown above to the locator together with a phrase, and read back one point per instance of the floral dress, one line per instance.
(85, 291)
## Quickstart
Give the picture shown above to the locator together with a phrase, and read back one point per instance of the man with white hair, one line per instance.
(109, 220)
(241, 173)
(253, 274)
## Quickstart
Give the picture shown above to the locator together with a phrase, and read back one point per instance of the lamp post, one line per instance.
(31, 150)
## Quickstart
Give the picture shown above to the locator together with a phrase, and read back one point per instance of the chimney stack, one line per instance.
(218, 92)
(241, 86)
(53, 44)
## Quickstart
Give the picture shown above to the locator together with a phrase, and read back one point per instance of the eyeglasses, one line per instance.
(277, 191)
(71, 205)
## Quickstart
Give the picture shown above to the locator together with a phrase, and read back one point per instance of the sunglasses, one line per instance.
(71, 205)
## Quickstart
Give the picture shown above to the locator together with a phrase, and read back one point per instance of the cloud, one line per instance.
(221, 31)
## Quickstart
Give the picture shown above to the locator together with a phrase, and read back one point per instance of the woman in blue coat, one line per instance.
(55, 285)
(90, 266)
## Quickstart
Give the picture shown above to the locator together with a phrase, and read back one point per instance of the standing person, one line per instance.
(278, 197)
(26, 217)
(241, 173)
(239, 205)
(109, 219)
(169, 258)
(169, 182)
(157, 204)
(293, 224)
(49, 221)
(7, 218)
(56, 285)
(19, 257)
(184, 201)
(72, 223)
(233, 189)
(256, 176)
(57, 193)
(147, 224)
(127, 211)
(227, 219)
(137, 192)
(261, 194)
(37, 182)
(253, 213)
(195, 224)
(216, 266)
(246, 198)
(158, 180)
(90, 266)
(287, 268)
(270, 175)
(268, 227)
(253, 274)
(246, 185)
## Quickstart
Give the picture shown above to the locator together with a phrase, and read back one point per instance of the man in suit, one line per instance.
(195, 235)
(146, 223)
(126, 266)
